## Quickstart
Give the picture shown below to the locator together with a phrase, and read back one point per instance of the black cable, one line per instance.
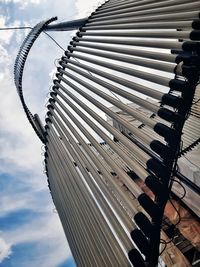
(165, 246)
(171, 229)
(196, 102)
(179, 216)
(184, 190)
(54, 40)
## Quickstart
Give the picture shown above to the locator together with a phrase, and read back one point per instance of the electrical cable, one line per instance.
(184, 190)
(54, 40)
(179, 216)
(165, 246)
(172, 228)
(196, 102)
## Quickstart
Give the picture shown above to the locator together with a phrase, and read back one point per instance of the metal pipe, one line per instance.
(168, 67)
(126, 203)
(130, 71)
(67, 25)
(117, 4)
(67, 216)
(187, 15)
(151, 123)
(129, 51)
(82, 162)
(134, 42)
(109, 112)
(140, 154)
(110, 249)
(129, 12)
(126, 179)
(91, 167)
(142, 102)
(132, 7)
(71, 210)
(142, 25)
(146, 34)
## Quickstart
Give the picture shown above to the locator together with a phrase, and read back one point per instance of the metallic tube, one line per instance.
(140, 154)
(142, 25)
(109, 112)
(126, 203)
(70, 208)
(129, 51)
(76, 153)
(130, 71)
(67, 216)
(89, 165)
(146, 34)
(66, 26)
(187, 15)
(168, 67)
(151, 123)
(126, 179)
(131, 7)
(133, 42)
(115, 89)
(129, 12)
(108, 243)
(117, 4)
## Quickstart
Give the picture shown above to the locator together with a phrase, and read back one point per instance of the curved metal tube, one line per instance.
(19, 68)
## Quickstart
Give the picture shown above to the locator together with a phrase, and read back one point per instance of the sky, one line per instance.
(30, 230)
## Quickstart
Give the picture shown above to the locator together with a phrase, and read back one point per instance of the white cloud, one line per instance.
(85, 8)
(28, 198)
(20, 148)
(47, 233)
(5, 249)
(4, 60)
(23, 3)
(5, 35)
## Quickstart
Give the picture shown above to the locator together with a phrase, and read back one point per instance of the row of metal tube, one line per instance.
(168, 7)
(80, 158)
(138, 5)
(180, 16)
(90, 179)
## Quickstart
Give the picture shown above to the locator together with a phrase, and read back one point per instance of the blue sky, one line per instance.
(30, 230)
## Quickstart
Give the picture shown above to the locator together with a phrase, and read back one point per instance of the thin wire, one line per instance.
(179, 216)
(16, 28)
(173, 228)
(184, 190)
(165, 246)
(54, 40)
(196, 102)
(191, 162)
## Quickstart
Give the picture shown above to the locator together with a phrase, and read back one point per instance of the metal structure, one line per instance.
(145, 52)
